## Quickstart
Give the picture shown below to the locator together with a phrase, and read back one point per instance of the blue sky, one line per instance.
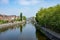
(27, 7)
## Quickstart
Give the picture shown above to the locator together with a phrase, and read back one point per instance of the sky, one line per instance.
(27, 7)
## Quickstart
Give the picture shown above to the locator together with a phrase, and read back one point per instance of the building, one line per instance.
(8, 17)
(1, 17)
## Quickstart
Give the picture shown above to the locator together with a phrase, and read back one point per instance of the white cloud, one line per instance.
(28, 2)
(4, 1)
(24, 2)
(21, 2)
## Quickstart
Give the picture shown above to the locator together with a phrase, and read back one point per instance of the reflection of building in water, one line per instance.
(40, 36)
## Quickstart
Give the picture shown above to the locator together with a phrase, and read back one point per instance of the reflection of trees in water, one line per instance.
(21, 27)
(3, 29)
(40, 36)
(6, 28)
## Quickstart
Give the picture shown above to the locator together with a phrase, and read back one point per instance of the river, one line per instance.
(21, 32)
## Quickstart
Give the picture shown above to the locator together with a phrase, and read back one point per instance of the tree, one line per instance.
(49, 17)
(24, 18)
(21, 16)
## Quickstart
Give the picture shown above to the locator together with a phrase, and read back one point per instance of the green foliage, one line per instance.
(21, 18)
(24, 18)
(3, 21)
(49, 17)
(18, 19)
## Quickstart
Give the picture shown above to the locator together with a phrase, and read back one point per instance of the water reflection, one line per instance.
(4, 29)
(21, 31)
(40, 36)
(21, 27)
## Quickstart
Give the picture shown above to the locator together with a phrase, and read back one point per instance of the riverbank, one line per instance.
(11, 24)
(50, 34)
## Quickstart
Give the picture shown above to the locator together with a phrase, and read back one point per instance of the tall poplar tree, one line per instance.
(21, 16)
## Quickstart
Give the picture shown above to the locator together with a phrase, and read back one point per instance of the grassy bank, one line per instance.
(49, 18)
(3, 21)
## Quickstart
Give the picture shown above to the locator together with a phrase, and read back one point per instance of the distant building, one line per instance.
(1, 17)
(8, 18)
(17, 17)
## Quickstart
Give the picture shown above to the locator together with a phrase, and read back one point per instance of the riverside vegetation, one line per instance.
(49, 18)
(21, 18)
(3, 21)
